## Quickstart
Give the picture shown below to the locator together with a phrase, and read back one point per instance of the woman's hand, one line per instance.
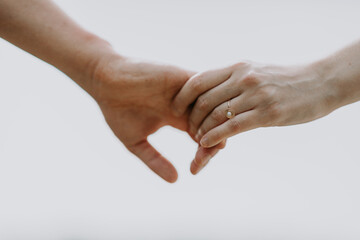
(261, 96)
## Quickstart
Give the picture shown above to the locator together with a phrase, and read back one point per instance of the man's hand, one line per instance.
(135, 98)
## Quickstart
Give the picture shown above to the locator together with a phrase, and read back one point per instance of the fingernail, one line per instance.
(198, 135)
(194, 168)
(204, 142)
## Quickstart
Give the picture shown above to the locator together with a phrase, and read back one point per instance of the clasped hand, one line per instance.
(138, 98)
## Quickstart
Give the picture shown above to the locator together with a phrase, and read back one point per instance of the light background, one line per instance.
(63, 175)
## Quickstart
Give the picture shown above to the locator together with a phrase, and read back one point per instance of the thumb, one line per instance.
(154, 160)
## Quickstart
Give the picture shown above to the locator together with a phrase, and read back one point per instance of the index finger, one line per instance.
(196, 86)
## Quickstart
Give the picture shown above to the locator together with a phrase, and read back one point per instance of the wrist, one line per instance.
(325, 75)
(83, 62)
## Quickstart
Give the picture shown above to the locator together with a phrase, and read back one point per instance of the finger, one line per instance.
(209, 100)
(203, 156)
(240, 123)
(240, 104)
(197, 85)
(154, 160)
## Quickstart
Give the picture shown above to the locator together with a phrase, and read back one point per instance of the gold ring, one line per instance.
(229, 113)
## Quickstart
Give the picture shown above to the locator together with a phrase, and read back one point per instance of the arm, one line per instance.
(42, 29)
(134, 97)
(263, 95)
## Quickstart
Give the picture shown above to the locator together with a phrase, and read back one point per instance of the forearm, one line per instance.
(341, 72)
(42, 29)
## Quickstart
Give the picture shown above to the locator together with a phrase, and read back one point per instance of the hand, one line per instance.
(261, 96)
(135, 98)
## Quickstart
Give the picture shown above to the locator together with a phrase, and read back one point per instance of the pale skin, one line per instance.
(135, 97)
(266, 95)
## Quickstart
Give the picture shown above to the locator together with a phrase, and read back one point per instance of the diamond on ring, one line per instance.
(229, 114)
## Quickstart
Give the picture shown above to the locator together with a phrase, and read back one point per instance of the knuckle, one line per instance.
(234, 126)
(217, 115)
(239, 65)
(251, 80)
(197, 83)
(202, 103)
(235, 83)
